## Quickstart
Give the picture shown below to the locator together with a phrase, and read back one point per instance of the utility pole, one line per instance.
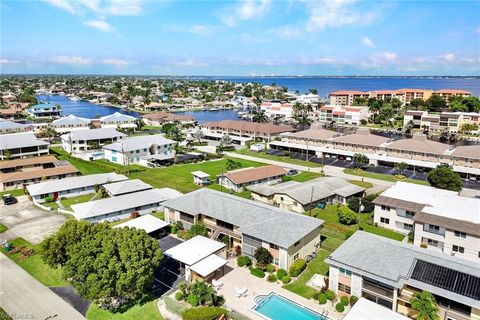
(311, 199)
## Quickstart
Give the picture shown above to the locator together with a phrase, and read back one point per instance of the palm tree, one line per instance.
(303, 121)
(198, 135)
(260, 117)
(177, 149)
(359, 159)
(400, 167)
(426, 306)
(49, 133)
(226, 140)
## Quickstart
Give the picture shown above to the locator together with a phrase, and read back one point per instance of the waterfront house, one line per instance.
(118, 120)
(70, 123)
(237, 180)
(22, 145)
(248, 224)
(162, 117)
(343, 114)
(83, 140)
(389, 272)
(45, 110)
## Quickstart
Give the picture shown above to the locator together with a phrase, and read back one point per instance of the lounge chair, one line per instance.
(217, 283)
(241, 292)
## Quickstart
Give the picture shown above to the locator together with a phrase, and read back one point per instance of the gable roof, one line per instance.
(362, 137)
(117, 116)
(245, 175)
(194, 250)
(20, 140)
(471, 151)
(5, 124)
(146, 222)
(93, 134)
(27, 162)
(38, 173)
(315, 134)
(70, 120)
(256, 219)
(419, 143)
(140, 142)
(126, 186)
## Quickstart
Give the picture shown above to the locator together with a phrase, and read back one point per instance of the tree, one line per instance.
(426, 306)
(346, 216)
(400, 167)
(200, 293)
(303, 121)
(354, 204)
(468, 127)
(178, 150)
(417, 104)
(48, 132)
(226, 140)
(260, 117)
(198, 135)
(436, 103)
(443, 177)
(232, 165)
(360, 159)
(360, 101)
(198, 229)
(263, 257)
(176, 133)
(313, 91)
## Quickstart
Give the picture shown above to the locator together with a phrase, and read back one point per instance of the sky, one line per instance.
(240, 37)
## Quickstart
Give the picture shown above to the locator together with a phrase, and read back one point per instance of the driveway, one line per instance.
(26, 221)
(23, 297)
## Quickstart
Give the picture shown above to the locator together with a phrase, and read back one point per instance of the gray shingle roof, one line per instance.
(92, 134)
(20, 140)
(117, 117)
(392, 262)
(256, 219)
(5, 124)
(70, 120)
(141, 142)
(126, 186)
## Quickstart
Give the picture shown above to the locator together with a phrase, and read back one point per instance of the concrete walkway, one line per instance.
(23, 297)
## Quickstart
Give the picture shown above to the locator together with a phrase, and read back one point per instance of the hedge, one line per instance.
(257, 273)
(243, 261)
(344, 301)
(286, 279)
(178, 296)
(281, 273)
(174, 306)
(203, 313)
(272, 278)
(322, 299)
(329, 294)
(297, 267)
(339, 307)
(353, 300)
(270, 268)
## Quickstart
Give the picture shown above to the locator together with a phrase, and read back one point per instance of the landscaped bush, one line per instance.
(271, 268)
(272, 278)
(193, 299)
(329, 294)
(286, 178)
(257, 273)
(286, 279)
(344, 301)
(354, 204)
(48, 199)
(297, 267)
(346, 216)
(183, 234)
(368, 206)
(322, 299)
(281, 273)
(243, 261)
(423, 245)
(349, 233)
(339, 307)
(178, 296)
(174, 306)
(203, 313)
(263, 257)
(353, 300)
(411, 236)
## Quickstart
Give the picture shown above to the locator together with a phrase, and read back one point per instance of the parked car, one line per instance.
(8, 199)
(292, 172)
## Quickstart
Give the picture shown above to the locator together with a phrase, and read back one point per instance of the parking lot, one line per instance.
(26, 221)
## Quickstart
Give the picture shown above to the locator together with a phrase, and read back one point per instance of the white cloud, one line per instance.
(71, 60)
(246, 10)
(63, 4)
(449, 57)
(368, 42)
(384, 57)
(8, 61)
(99, 25)
(477, 30)
(202, 29)
(102, 7)
(116, 62)
(124, 7)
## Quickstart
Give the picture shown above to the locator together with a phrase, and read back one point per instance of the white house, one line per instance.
(277, 109)
(141, 150)
(70, 123)
(118, 120)
(13, 127)
(82, 140)
(308, 98)
(22, 145)
(45, 110)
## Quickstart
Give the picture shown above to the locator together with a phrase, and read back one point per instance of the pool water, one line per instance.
(276, 307)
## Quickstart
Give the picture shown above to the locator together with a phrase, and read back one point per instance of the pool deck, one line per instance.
(241, 277)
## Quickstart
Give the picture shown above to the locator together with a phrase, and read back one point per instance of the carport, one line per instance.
(153, 226)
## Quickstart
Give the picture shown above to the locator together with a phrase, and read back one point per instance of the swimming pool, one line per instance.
(277, 307)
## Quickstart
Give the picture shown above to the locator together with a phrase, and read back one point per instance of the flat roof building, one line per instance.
(146, 222)
(22, 145)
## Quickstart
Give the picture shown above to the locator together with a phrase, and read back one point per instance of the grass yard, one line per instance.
(363, 184)
(82, 166)
(244, 194)
(147, 311)
(67, 202)
(381, 176)
(305, 176)
(159, 215)
(3, 228)
(35, 265)
(14, 193)
(4, 315)
(251, 153)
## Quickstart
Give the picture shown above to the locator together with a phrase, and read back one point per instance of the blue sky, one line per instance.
(242, 37)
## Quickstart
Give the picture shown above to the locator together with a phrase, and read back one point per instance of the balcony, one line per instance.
(429, 229)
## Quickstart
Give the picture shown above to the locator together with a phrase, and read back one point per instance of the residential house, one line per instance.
(70, 123)
(118, 120)
(143, 150)
(201, 178)
(413, 118)
(440, 219)
(22, 145)
(389, 272)
(83, 140)
(162, 117)
(7, 127)
(45, 110)
(300, 197)
(18, 173)
(237, 180)
(248, 224)
(71, 187)
(124, 206)
(309, 98)
(125, 187)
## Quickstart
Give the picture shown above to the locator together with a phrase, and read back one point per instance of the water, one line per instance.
(276, 307)
(83, 109)
(207, 116)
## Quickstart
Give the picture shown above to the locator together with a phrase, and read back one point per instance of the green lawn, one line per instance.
(14, 193)
(305, 176)
(244, 194)
(4, 315)
(264, 155)
(82, 166)
(68, 202)
(363, 184)
(3, 228)
(35, 265)
(159, 215)
(381, 176)
(147, 311)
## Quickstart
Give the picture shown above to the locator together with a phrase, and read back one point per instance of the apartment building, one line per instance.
(441, 220)
(70, 123)
(407, 95)
(7, 127)
(346, 97)
(118, 120)
(248, 224)
(343, 115)
(22, 145)
(453, 121)
(277, 110)
(83, 140)
(237, 180)
(389, 272)
(413, 118)
(43, 110)
(448, 94)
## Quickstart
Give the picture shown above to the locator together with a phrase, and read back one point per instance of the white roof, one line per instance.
(140, 142)
(194, 250)
(20, 140)
(208, 265)
(200, 174)
(92, 134)
(124, 202)
(117, 117)
(5, 124)
(146, 222)
(439, 202)
(73, 183)
(126, 186)
(365, 309)
(70, 120)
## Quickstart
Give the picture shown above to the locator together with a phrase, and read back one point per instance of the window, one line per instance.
(275, 262)
(409, 214)
(385, 208)
(345, 272)
(273, 246)
(281, 198)
(459, 249)
(460, 234)
(344, 288)
(296, 256)
(407, 226)
(433, 228)
(384, 220)
(295, 203)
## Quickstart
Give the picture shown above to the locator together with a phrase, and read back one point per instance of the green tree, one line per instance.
(198, 229)
(201, 293)
(360, 101)
(263, 257)
(418, 104)
(400, 167)
(354, 204)
(346, 216)
(436, 103)
(226, 140)
(443, 177)
(232, 165)
(198, 135)
(360, 159)
(260, 117)
(426, 306)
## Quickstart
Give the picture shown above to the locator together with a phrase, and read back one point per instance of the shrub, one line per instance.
(281, 273)
(178, 296)
(272, 278)
(411, 236)
(354, 204)
(263, 257)
(203, 313)
(322, 299)
(174, 306)
(286, 279)
(297, 267)
(423, 245)
(329, 294)
(339, 307)
(286, 178)
(257, 273)
(349, 233)
(344, 301)
(48, 199)
(271, 268)
(243, 261)
(193, 299)
(346, 216)
(353, 300)
(183, 234)
(197, 230)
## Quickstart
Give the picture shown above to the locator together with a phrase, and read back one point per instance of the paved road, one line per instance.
(23, 297)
